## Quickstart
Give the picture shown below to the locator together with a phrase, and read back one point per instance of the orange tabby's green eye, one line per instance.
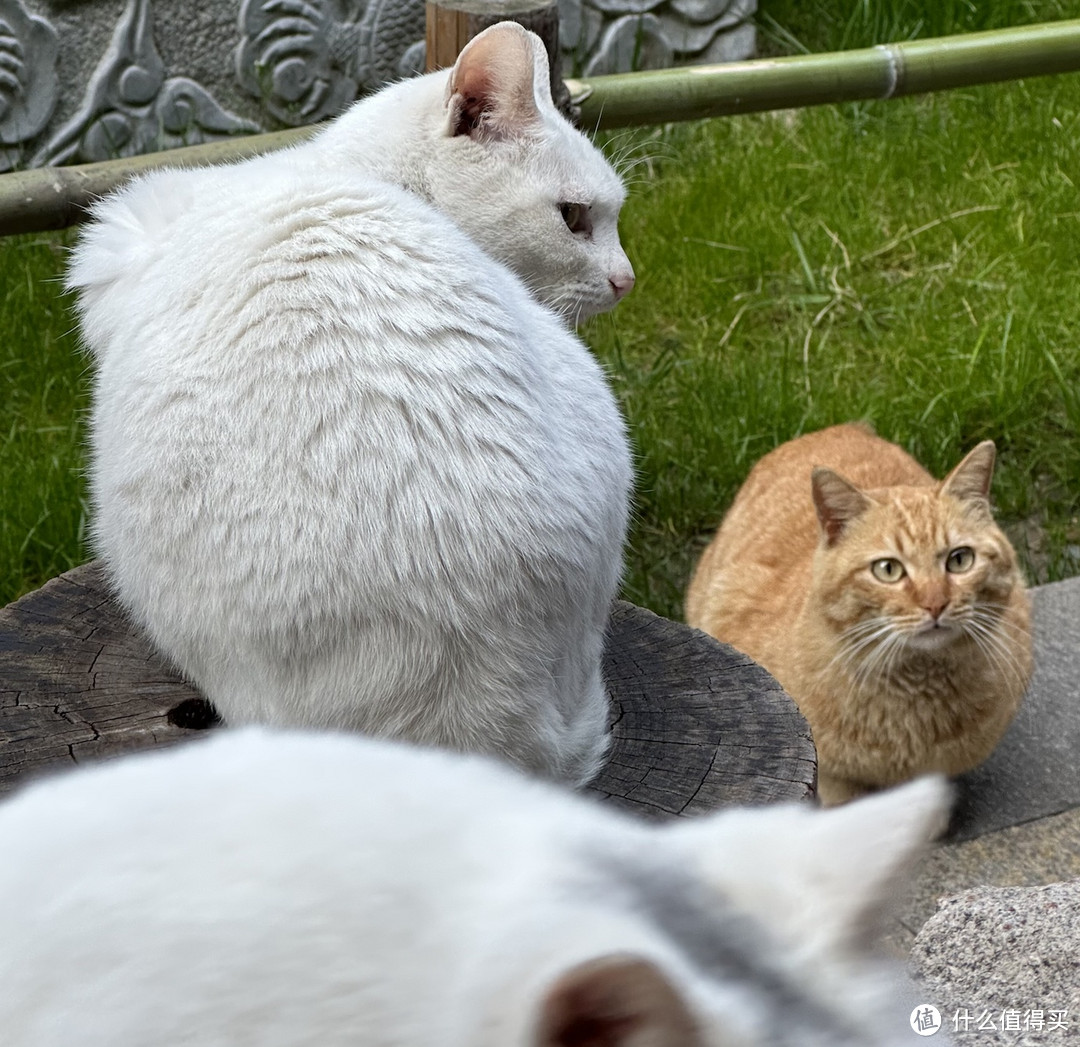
(887, 570)
(960, 560)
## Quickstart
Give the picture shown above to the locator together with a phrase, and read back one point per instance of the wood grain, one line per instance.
(695, 724)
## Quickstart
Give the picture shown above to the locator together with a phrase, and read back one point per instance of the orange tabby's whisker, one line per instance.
(984, 631)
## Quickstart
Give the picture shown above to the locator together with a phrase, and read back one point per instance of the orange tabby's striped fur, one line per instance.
(905, 654)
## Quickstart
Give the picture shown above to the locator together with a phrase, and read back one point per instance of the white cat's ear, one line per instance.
(499, 83)
(615, 1001)
(972, 477)
(823, 880)
(837, 501)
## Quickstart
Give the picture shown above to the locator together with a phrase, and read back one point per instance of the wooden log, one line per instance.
(695, 724)
(451, 24)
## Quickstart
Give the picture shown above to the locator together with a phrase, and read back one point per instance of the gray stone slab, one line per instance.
(1043, 851)
(1035, 771)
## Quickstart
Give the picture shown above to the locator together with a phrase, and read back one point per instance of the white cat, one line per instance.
(347, 471)
(288, 888)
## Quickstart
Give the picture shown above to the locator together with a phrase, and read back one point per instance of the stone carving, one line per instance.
(256, 64)
(130, 106)
(29, 47)
(307, 59)
(617, 36)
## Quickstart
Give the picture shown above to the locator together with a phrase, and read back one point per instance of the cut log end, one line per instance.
(695, 725)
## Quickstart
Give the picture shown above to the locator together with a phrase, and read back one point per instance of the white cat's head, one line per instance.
(484, 144)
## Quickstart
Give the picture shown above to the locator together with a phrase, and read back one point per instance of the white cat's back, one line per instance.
(328, 433)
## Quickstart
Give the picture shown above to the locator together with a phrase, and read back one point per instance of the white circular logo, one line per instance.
(926, 1019)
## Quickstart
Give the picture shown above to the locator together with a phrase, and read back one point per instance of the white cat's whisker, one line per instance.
(990, 645)
(996, 619)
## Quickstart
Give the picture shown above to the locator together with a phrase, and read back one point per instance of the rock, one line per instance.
(1002, 965)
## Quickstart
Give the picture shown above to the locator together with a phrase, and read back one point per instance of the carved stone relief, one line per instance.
(131, 107)
(307, 59)
(617, 36)
(84, 80)
(28, 80)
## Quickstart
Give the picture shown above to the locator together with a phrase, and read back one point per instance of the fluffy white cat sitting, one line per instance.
(347, 470)
(297, 888)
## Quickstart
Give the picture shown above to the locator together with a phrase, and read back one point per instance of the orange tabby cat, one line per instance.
(889, 605)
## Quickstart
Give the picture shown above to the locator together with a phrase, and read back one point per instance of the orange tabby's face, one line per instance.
(916, 570)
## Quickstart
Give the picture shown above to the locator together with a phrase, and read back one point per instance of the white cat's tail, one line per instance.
(128, 232)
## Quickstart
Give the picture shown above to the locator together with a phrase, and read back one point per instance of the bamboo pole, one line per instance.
(885, 71)
(52, 198)
(55, 197)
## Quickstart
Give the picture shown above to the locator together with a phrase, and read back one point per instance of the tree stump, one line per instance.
(695, 724)
(451, 24)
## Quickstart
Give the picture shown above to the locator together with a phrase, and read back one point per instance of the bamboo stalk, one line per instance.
(55, 197)
(52, 198)
(885, 71)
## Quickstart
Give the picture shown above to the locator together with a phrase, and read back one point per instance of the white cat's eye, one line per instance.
(887, 569)
(576, 217)
(960, 559)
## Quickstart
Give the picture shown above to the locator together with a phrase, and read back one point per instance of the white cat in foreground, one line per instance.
(291, 888)
(347, 471)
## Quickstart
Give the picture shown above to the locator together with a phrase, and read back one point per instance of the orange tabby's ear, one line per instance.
(838, 502)
(615, 1001)
(971, 478)
(498, 83)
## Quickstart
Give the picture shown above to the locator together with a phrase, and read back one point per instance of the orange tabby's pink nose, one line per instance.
(934, 603)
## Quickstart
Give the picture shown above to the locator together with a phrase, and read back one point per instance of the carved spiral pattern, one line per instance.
(287, 58)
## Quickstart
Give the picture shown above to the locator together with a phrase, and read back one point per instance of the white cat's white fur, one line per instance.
(347, 471)
(288, 888)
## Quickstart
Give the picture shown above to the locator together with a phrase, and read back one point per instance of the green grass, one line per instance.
(914, 263)
(43, 390)
(793, 26)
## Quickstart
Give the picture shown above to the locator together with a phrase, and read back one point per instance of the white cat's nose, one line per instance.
(622, 283)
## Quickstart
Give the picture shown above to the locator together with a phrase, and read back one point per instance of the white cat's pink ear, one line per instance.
(837, 501)
(615, 1001)
(499, 84)
(972, 477)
